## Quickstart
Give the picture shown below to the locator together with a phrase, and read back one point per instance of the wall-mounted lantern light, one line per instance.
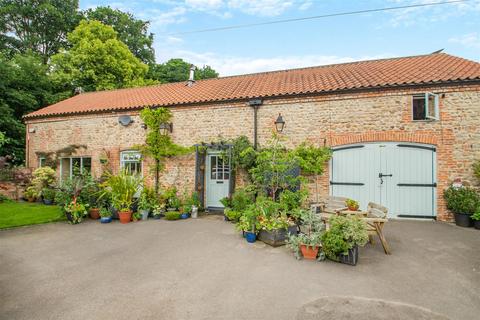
(279, 123)
(166, 128)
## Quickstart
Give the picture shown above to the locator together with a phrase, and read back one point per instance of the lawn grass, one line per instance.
(15, 214)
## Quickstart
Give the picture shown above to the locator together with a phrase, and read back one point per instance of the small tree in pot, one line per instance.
(463, 202)
(308, 242)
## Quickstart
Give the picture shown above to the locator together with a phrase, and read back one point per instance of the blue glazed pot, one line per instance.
(47, 202)
(251, 237)
(184, 216)
(106, 219)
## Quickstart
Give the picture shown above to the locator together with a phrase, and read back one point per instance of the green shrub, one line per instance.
(48, 193)
(105, 213)
(476, 169)
(172, 215)
(344, 234)
(241, 199)
(4, 198)
(476, 215)
(232, 215)
(462, 200)
(43, 177)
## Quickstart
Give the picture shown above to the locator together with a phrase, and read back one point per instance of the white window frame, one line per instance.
(138, 159)
(42, 162)
(70, 169)
(436, 107)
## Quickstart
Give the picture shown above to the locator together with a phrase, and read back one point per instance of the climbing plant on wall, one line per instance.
(157, 145)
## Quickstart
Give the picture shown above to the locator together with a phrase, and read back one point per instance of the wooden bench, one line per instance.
(329, 204)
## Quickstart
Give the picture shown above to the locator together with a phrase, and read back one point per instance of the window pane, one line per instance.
(87, 165)
(65, 164)
(431, 106)
(131, 161)
(419, 108)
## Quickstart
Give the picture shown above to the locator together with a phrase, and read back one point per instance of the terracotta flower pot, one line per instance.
(309, 252)
(94, 213)
(31, 199)
(125, 216)
(353, 208)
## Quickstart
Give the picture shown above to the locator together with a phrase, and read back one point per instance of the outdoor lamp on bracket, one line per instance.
(165, 128)
(279, 123)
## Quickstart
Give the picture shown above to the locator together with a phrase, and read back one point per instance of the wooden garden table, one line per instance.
(374, 226)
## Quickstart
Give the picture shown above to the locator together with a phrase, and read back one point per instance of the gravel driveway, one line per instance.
(202, 269)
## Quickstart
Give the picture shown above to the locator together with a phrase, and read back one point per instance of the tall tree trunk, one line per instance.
(157, 174)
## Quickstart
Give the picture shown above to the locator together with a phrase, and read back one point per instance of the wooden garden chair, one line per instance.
(329, 205)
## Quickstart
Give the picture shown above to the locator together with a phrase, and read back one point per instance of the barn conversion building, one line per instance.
(402, 129)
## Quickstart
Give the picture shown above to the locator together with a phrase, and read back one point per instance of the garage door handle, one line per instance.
(218, 181)
(380, 175)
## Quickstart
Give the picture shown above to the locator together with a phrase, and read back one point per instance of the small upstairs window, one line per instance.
(425, 107)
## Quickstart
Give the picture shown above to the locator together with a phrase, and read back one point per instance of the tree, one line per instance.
(24, 87)
(97, 60)
(159, 146)
(37, 25)
(312, 160)
(133, 32)
(177, 70)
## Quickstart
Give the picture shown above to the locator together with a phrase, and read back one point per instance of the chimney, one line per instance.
(191, 78)
(78, 90)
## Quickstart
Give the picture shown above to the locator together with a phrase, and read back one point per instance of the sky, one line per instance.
(414, 31)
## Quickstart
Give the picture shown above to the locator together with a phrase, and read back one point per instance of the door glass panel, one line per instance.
(213, 167)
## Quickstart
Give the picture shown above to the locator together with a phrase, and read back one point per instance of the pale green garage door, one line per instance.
(400, 176)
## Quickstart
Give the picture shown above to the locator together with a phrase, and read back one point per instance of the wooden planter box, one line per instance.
(276, 237)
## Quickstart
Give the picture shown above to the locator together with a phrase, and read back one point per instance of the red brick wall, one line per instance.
(331, 119)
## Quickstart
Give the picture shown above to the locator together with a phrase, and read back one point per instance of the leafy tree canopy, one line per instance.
(177, 70)
(97, 60)
(24, 87)
(37, 25)
(133, 32)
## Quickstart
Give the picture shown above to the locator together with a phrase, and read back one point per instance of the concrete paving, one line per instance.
(202, 269)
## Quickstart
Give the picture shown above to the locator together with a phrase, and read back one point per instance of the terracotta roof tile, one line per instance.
(433, 68)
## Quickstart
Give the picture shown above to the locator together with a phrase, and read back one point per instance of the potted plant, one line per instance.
(122, 188)
(172, 215)
(105, 215)
(340, 242)
(30, 194)
(352, 205)
(307, 244)
(227, 204)
(145, 202)
(274, 223)
(75, 212)
(185, 212)
(158, 211)
(476, 219)
(136, 216)
(248, 224)
(48, 195)
(463, 202)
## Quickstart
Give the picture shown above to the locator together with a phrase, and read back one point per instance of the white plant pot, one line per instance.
(144, 214)
(194, 212)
